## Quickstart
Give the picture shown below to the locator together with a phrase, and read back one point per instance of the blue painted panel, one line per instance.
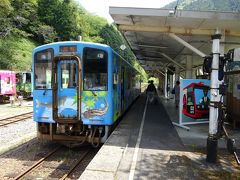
(42, 105)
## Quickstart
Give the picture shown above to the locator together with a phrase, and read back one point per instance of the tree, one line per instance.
(6, 54)
(61, 15)
(46, 34)
(206, 5)
(5, 20)
(25, 18)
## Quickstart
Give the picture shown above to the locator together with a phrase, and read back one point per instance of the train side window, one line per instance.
(43, 69)
(95, 69)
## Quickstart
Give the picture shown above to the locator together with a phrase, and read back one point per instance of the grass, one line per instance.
(21, 52)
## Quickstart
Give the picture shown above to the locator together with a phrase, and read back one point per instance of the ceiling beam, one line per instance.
(160, 72)
(172, 60)
(152, 57)
(175, 30)
(186, 44)
(152, 60)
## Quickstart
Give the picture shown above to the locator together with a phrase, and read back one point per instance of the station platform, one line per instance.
(146, 145)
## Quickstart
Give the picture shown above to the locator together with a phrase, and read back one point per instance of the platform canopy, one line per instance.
(157, 36)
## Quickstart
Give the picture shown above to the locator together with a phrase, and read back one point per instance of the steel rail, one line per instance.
(37, 164)
(75, 165)
(21, 116)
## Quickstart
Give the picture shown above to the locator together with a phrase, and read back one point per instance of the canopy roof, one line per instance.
(147, 32)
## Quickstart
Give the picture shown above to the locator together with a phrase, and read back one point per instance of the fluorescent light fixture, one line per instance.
(171, 13)
(152, 58)
(151, 46)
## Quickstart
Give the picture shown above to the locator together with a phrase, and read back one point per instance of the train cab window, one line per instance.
(8, 81)
(43, 69)
(68, 75)
(202, 97)
(28, 78)
(95, 69)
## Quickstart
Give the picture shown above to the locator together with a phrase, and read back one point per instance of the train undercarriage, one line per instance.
(73, 133)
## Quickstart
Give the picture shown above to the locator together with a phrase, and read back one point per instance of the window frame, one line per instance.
(83, 68)
(61, 79)
(46, 61)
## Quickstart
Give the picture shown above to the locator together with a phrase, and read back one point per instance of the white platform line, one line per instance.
(135, 155)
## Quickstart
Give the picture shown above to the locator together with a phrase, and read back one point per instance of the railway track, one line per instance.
(69, 163)
(14, 119)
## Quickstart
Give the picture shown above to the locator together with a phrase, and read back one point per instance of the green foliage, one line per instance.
(24, 21)
(16, 53)
(25, 17)
(5, 54)
(6, 8)
(206, 5)
(62, 15)
(5, 21)
(45, 34)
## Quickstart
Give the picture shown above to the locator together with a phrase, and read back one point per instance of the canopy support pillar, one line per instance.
(212, 140)
(189, 64)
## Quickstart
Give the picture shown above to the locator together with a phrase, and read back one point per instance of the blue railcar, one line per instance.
(80, 90)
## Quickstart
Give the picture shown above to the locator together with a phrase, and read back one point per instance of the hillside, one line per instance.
(16, 53)
(25, 24)
(206, 5)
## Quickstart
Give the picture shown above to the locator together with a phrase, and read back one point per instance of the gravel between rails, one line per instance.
(20, 159)
(17, 133)
(6, 110)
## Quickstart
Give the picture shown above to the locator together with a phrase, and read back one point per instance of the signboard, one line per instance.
(194, 101)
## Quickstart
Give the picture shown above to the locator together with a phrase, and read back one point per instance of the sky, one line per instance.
(101, 7)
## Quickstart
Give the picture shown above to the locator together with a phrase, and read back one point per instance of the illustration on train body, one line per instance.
(196, 99)
(80, 90)
(7, 84)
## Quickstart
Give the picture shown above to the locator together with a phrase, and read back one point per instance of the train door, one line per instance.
(66, 89)
(122, 88)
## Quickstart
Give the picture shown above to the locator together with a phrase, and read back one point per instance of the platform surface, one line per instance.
(148, 148)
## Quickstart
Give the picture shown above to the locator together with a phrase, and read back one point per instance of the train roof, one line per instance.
(104, 46)
(200, 84)
(128, 63)
(70, 42)
(7, 71)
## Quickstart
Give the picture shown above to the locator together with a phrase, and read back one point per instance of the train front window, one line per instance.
(68, 75)
(95, 69)
(28, 77)
(43, 69)
(8, 81)
(202, 97)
